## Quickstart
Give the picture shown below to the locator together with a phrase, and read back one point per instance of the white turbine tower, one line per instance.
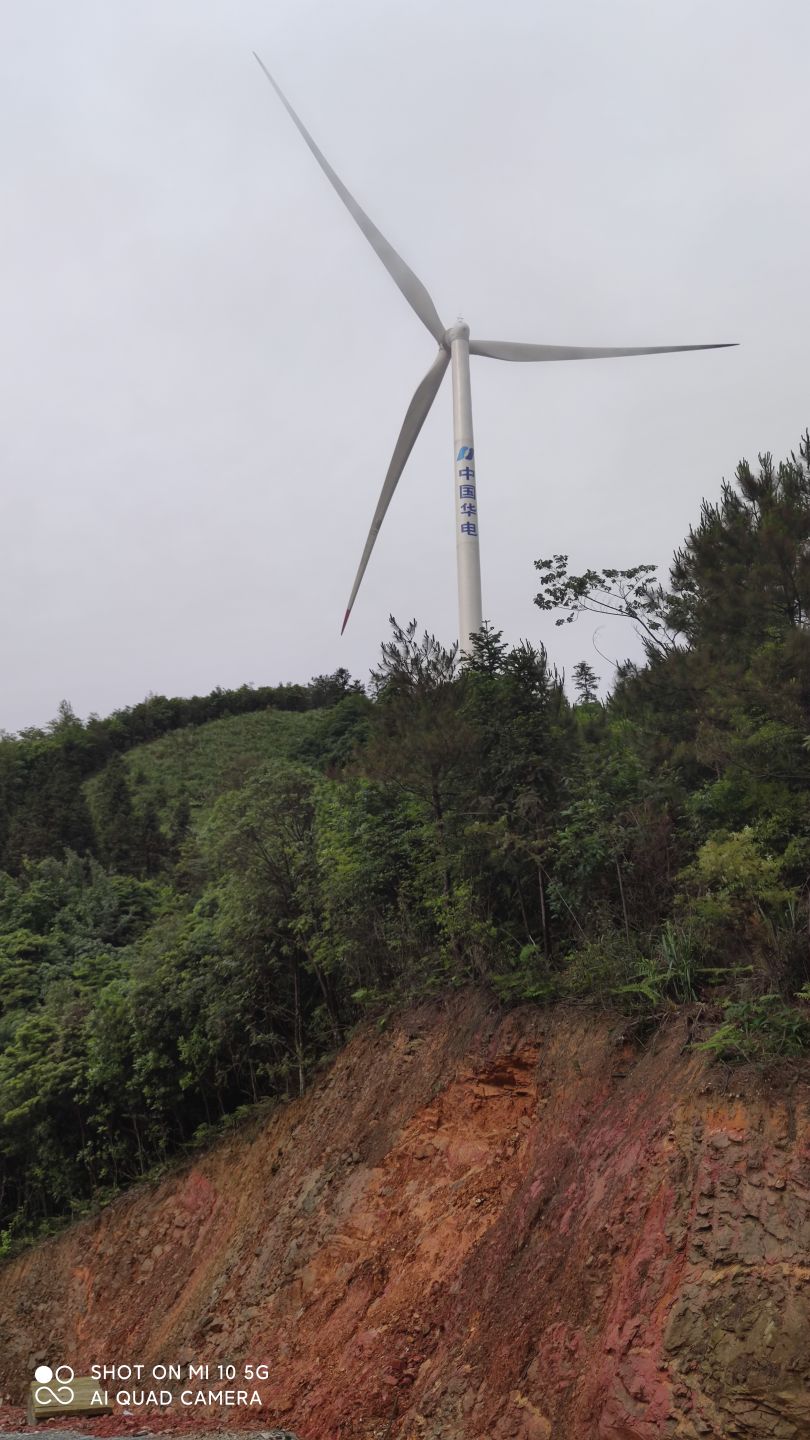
(455, 348)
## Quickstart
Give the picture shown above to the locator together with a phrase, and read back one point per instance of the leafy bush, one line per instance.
(597, 969)
(764, 1027)
(527, 978)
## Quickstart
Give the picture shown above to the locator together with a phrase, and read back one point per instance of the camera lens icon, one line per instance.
(62, 1393)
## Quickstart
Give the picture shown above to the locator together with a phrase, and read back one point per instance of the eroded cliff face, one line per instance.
(475, 1227)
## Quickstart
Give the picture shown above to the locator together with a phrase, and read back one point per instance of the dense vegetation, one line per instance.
(197, 898)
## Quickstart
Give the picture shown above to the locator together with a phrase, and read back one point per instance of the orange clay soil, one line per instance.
(476, 1226)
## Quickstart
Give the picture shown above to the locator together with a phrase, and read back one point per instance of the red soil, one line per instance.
(475, 1227)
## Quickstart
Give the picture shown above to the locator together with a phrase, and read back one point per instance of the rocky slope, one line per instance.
(477, 1226)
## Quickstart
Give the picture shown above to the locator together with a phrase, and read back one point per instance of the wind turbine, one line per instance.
(455, 348)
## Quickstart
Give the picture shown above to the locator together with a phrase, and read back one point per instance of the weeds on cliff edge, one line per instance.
(759, 1028)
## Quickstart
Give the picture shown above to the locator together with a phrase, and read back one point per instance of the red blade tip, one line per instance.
(345, 621)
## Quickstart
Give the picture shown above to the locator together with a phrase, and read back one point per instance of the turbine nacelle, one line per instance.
(459, 331)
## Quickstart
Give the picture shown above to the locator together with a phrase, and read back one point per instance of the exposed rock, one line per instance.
(494, 1231)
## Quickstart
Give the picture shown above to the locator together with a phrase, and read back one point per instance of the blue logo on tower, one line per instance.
(465, 453)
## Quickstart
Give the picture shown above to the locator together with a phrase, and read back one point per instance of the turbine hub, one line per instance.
(459, 331)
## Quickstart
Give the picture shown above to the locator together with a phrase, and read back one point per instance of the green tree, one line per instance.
(626, 594)
(517, 709)
(418, 740)
(115, 823)
(586, 681)
(263, 835)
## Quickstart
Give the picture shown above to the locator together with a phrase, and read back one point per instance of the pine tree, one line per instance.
(585, 683)
(151, 847)
(115, 821)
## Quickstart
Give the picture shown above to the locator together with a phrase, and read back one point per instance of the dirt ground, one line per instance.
(476, 1226)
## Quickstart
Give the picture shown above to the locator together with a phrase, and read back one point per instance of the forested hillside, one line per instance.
(199, 897)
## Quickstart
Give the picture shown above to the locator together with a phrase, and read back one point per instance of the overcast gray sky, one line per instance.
(204, 365)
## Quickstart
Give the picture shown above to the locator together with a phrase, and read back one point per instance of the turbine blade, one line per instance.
(402, 275)
(417, 412)
(514, 350)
